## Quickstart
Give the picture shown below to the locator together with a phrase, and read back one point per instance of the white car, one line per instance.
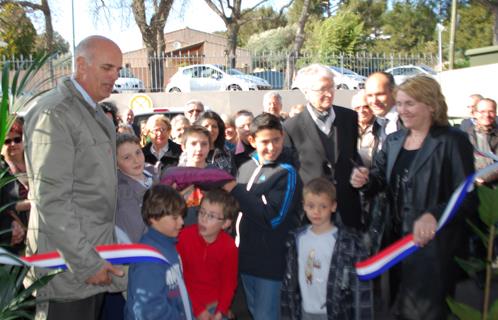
(343, 79)
(347, 79)
(402, 73)
(213, 77)
(127, 82)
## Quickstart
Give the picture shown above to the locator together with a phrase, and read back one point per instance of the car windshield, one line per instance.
(230, 71)
(428, 69)
(344, 70)
(126, 73)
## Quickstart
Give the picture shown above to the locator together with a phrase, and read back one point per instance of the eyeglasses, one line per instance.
(323, 90)
(16, 140)
(209, 216)
(160, 130)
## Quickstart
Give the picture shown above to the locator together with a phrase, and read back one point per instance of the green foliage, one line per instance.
(259, 20)
(342, 33)
(408, 26)
(14, 91)
(371, 13)
(15, 300)
(17, 31)
(488, 213)
(471, 266)
(488, 205)
(462, 311)
(317, 10)
(61, 46)
(274, 40)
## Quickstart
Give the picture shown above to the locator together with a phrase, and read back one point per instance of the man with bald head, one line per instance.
(71, 164)
(379, 89)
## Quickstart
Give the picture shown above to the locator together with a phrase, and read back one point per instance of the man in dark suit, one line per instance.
(324, 139)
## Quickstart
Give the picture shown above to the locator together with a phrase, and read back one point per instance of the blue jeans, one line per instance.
(263, 297)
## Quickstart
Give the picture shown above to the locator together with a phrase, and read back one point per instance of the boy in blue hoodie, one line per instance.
(157, 290)
(268, 189)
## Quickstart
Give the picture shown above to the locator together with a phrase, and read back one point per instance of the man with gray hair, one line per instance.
(324, 138)
(71, 165)
(272, 103)
(193, 110)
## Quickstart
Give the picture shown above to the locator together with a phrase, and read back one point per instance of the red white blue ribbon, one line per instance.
(113, 253)
(396, 252)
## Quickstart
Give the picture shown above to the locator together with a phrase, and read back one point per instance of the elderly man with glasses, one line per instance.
(324, 138)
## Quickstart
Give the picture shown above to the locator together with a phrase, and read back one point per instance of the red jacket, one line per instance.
(209, 270)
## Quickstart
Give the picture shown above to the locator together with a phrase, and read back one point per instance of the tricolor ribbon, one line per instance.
(396, 252)
(113, 253)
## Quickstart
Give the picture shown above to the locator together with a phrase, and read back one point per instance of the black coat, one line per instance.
(302, 136)
(170, 158)
(443, 162)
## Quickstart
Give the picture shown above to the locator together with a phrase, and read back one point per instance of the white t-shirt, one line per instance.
(314, 257)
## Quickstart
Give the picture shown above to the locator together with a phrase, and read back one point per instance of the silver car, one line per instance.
(213, 77)
(402, 73)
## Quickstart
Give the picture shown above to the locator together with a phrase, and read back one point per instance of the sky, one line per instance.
(121, 27)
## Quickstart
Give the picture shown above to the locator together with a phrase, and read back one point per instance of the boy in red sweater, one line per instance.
(210, 257)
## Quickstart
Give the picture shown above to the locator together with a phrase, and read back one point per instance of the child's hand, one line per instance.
(205, 315)
(228, 187)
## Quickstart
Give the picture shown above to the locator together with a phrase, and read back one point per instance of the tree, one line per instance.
(150, 17)
(408, 27)
(272, 41)
(316, 9)
(44, 8)
(153, 36)
(17, 31)
(371, 13)
(233, 21)
(60, 45)
(342, 33)
(259, 20)
(492, 6)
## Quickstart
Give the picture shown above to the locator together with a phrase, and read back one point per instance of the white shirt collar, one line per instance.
(159, 153)
(323, 126)
(85, 95)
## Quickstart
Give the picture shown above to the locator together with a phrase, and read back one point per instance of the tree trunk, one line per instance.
(298, 44)
(153, 38)
(232, 32)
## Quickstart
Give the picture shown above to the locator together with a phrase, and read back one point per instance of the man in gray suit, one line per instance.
(71, 164)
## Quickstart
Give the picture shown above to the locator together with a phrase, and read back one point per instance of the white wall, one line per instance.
(459, 84)
(226, 102)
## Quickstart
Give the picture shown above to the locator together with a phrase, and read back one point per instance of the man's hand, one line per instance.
(18, 233)
(102, 277)
(359, 177)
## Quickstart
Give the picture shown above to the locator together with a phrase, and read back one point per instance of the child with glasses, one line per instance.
(209, 256)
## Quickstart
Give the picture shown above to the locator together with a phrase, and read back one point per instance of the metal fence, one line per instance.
(271, 66)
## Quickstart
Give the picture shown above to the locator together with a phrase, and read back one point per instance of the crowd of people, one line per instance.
(287, 205)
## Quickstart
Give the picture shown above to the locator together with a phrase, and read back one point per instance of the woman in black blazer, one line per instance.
(419, 167)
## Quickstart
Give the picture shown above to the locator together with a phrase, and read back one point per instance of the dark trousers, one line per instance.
(84, 309)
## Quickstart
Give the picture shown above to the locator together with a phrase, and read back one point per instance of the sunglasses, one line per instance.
(16, 140)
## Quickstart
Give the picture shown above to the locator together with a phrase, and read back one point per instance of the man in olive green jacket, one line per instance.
(71, 161)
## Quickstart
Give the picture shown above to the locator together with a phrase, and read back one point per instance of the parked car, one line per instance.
(213, 77)
(343, 79)
(127, 82)
(347, 79)
(275, 78)
(402, 73)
